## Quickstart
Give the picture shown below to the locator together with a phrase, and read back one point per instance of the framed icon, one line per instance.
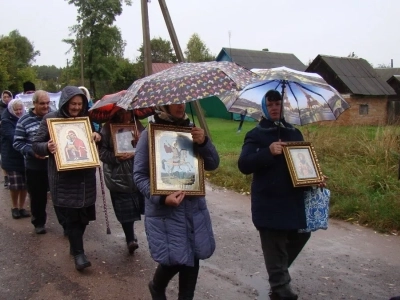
(75, 147)
(174, 163)
(124, 138)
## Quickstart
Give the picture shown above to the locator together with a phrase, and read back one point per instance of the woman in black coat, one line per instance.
(73, 192)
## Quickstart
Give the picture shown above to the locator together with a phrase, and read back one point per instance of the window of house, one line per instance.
(363, 110)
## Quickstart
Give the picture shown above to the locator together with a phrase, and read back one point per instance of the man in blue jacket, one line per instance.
(278, 210)
(35, 165)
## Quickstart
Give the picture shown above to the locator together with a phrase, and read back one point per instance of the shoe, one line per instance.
(155, 295)
(24, 213)
(6, 182)
(132, 246)
(15, 213)
(283, 292)
(81, 262)
(40, 230)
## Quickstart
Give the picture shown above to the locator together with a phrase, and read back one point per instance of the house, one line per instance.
(391, 76)
(372, 100)
(251, 59)
(158, 67)
(394, 82)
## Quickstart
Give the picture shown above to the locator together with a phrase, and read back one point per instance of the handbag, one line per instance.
(317, 209)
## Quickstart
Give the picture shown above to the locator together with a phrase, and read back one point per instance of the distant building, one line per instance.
(371, 98)
(158, 67)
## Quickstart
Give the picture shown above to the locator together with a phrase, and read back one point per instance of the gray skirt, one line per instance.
(127, 206)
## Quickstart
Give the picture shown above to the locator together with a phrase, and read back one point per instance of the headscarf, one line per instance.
(11, 104)
(264, 111)
(163, 116)
(6, 92)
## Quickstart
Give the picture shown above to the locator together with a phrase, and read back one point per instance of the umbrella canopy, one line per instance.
(187, 82)
(307, 97)
(106, 107)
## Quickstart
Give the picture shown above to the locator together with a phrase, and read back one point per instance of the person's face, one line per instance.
(18, 110)
(42, 105)
(75, 105)
(71, 136)
(6, 98)
(274, 109)
(177, 110)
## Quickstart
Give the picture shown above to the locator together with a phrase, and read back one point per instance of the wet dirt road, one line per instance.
(344, 262)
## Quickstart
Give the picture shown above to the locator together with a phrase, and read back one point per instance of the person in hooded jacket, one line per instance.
(6, 97)
(178, 226)
(13, 161)
(73, 192)
(277, 207)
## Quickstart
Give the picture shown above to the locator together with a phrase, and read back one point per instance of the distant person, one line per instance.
(13, 161)
(278, 209)
(96, 126)
(35, 165)
(29, 87)
(178, 226)
(242, 118)
(127, 201)
(6, 97)
(73, 192)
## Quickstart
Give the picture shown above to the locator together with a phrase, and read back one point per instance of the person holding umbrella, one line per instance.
(278, 210)
(178, 226)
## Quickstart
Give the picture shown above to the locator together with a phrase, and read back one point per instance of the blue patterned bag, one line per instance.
(317, 209)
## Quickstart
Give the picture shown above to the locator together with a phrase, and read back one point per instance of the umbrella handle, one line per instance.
(281, 112)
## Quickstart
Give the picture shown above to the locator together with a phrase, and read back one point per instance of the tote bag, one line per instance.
(317, 209)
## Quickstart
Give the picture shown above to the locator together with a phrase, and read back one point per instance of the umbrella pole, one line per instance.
(281, 113)
(191, 111)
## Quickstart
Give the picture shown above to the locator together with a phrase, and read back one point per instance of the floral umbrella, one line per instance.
(106, 107)
(187, 82)
(307, 97)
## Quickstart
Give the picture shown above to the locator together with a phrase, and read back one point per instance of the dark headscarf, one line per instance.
(162, 116)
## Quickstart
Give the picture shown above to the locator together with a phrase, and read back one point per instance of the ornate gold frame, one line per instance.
(73, 154)
(304, 172)
(170, 171)
(114, 128)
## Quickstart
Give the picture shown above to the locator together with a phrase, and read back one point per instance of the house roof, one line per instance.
(386, 73)
(356, 75)
(158, 67)
(394, 79)
(251, 59)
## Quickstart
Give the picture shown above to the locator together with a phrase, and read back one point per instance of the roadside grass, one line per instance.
(360, 161)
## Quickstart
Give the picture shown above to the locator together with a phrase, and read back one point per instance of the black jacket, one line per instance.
(75, 188)
(275, 203)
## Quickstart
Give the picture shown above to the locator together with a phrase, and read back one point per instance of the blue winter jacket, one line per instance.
(275, 203)
(176, 235)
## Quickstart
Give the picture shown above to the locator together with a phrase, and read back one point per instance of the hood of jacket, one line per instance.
(67, 94)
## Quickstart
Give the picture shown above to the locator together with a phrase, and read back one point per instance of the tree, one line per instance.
(161, 52)
(196, 50)
(125, 74)
(99, 42)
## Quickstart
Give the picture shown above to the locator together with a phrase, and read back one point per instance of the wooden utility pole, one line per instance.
(81, 50)
(146, 39)
(181, 58)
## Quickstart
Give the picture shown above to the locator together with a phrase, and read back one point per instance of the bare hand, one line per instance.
(126, 156)
(323, 183)
(52, 147)
(276, 148)
(96, 137)
(175, 198)
(40, 157)
(198, 135)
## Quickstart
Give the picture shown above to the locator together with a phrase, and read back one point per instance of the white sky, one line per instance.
(305, 28)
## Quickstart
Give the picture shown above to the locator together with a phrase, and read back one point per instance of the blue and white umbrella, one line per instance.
(307, 97)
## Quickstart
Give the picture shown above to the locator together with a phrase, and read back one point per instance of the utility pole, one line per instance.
(146, 39)
(181, 58)
(81, 50)
(67, 71)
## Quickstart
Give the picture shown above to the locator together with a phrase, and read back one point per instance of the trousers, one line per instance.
(37, 183)
(280, 248)
(187, 279)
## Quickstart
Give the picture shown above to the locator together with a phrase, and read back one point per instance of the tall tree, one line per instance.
(96, 39)
(197, 51)
(161, 52)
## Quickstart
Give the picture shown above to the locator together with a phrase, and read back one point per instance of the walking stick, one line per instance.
(104, 200)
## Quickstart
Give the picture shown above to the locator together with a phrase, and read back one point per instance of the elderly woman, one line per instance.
(12, 160)
(178, 226)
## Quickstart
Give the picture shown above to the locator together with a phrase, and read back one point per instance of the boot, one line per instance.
(156, 295)
(283, 292)
(81, 261)
(15, 213)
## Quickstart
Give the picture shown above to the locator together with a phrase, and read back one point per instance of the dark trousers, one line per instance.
(280, 249)
(37, 183)
(187, 279)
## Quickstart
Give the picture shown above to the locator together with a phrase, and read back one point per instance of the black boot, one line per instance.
(156, 295)
(15, 213)
(75, 237)
(283, 292)
(81, 262)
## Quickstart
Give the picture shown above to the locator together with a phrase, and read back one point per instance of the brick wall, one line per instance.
(377, 111)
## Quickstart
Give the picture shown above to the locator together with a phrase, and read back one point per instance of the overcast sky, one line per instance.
(306, 28)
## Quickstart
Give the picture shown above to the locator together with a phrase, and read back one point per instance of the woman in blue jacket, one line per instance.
(178, 226)
(277, 207)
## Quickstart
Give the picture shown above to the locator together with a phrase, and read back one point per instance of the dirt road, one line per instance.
(343, 262)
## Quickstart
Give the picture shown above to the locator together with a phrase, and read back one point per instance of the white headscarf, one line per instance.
(13, 103)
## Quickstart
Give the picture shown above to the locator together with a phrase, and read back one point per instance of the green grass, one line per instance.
(360, 161)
